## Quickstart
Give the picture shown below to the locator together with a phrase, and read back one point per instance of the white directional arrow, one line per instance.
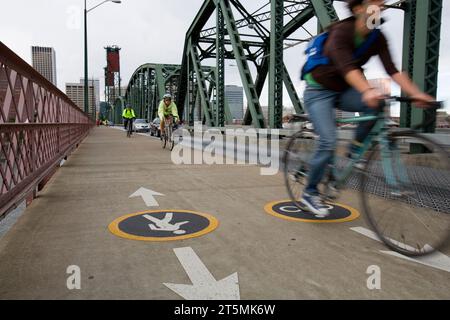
(204, 285)
(436, 260)
(148, 196)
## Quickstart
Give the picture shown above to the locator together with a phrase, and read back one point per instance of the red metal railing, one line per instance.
(39, 126)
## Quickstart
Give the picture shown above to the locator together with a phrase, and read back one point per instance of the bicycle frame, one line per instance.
(378, 131)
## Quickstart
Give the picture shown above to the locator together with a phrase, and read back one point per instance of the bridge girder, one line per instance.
(150, 82)
(251, 42)
(421, 44)
(247, 39)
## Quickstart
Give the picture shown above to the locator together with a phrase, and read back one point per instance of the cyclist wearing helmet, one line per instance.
(167, 108)
(341, 83)
(128, 116)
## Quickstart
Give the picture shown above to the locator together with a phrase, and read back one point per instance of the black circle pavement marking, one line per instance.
(288, 210)
(163, 225)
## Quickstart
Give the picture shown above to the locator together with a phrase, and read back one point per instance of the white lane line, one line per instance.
(436, 260)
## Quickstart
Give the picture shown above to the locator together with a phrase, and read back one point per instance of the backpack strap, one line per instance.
(371, 39)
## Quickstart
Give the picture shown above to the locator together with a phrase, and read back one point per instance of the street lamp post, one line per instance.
(86, 71)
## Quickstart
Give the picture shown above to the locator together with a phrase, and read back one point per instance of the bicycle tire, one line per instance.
(295, 169)
(129, 129)
(171, 141)
(412, 215)
(164, 141)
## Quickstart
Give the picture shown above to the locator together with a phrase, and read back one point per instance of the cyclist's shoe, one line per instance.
(360, 164)
(315, 205)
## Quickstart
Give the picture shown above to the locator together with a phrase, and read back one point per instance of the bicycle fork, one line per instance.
(394, 171)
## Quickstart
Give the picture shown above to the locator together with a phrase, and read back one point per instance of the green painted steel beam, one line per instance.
(422, 30)
(196, 27)
(296, 22)
(202, 89)
(426, 55)
(257, 18)
(325, 12)
(409, 30)
(292, 92)
(276, 65)
(244, 71)
(220, 74)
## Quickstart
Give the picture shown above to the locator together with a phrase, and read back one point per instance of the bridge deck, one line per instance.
(274, 258)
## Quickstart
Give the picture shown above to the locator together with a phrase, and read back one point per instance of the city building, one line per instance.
(96, 84)
(44, 61)
(235, 98)
(75, 91)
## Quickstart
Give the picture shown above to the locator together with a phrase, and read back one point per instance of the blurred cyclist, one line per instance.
(336, 79)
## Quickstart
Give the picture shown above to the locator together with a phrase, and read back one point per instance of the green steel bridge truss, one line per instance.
(256, 39)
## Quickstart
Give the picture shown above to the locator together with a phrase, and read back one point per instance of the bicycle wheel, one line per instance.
(164, 139)
(130, 129)
(170, 138)
(405, 192)
(297, 156)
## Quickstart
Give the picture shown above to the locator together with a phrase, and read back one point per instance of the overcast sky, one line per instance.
(153, 31)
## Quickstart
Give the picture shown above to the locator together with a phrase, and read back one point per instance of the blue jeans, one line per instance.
(321, 104)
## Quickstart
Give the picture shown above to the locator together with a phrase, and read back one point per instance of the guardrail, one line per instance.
(39, 127)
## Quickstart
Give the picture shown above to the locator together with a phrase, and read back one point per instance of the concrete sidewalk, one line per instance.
(274, 258)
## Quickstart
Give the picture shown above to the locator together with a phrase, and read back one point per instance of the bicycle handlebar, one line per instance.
(435, 105)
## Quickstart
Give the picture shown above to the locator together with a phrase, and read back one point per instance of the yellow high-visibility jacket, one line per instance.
(164, 111)
(128, 114)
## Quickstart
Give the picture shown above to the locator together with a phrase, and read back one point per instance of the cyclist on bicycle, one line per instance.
(167, 108)
(341, 83)
(128, 117)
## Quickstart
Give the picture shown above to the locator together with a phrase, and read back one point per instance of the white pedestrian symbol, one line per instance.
(165, 225)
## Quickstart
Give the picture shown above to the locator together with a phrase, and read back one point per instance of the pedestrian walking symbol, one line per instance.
(163, 225)
(166, 224)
